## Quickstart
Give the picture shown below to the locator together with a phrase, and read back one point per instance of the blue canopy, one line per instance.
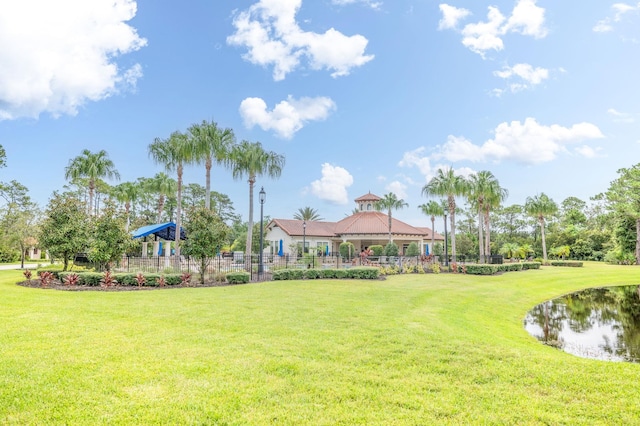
(165, 231)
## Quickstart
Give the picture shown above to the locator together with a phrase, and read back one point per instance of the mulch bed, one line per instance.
(57, 285)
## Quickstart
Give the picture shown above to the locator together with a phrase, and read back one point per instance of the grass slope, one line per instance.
(414, 349)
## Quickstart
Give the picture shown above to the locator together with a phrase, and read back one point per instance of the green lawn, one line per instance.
(414, 349)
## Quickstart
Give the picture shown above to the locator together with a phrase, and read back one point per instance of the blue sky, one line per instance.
(358, 95)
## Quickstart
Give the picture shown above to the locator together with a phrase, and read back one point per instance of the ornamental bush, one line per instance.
(240, 277)
(573, 264)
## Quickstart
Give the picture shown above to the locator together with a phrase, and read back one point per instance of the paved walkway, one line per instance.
(7, 266)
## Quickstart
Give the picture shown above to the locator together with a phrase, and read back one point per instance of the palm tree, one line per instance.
(390, 202)
(127, 193)
(495, 197)
(211, 143)
(446, 184)
(485, 192)
(539, 207)
(164, 186)
(173, 153)
(91, 166)
(249, 159)
(307, 214)
(433, 209)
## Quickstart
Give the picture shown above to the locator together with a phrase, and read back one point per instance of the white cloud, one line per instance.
(372, 4)
(398, 188)
(288, 116)
(525, 143)
(587, 151)
(268, 29)
(527, 74)
(621, 117)
(451, 15)
(56, 56)
(619, 10)
(526, 18)
(333, 184)
(417, 158)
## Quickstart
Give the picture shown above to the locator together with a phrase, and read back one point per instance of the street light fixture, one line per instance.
(304, 236)
(263, 198)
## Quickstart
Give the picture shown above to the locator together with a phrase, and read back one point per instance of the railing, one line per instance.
(222, 265)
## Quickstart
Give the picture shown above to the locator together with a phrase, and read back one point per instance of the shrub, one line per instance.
(27, 274)
(413, 249)
(71, 279)
(312, 274)
(185, 279)
(364, 273)
(377, 250)
(161, 280)
(240, 277)
(347, 250)
(569, 263)
(473, 269)
(390, 250)
(46, 277)
(531, 265)
(219, 277)
(435, 268)
(91, 279)
(140, 279)
(53, 271)
(419, 268)
(108, 279)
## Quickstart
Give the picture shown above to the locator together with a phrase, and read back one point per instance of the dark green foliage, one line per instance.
(390, 250)
(377, 250)
(109, 238)
(363, 273)
(313, 274)
(413, 249)
(347, 250)
(238, 277)
(64, 231)
(207, 233)
(569, 263)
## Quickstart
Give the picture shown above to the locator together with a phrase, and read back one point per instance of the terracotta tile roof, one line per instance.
(374, 223)
(314, 228)
(369, 197)
(427, 231)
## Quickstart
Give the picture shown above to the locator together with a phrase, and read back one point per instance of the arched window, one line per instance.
(369, 207)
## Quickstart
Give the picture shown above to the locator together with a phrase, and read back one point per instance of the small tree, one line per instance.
(347, 250)
(377, 250)
(110, 239)
(65, 229)
(391, 249)
(413, 249)
(206, 233)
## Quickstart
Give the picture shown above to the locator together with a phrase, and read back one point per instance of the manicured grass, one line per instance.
(414, 349)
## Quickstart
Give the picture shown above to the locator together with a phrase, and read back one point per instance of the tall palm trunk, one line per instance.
(252, 181)
(389, 226)
(207, 200)
(160, 207)
(92, 188)
(178, 215)
(452, 211)
(544, 243)
(481, 246)
(487, 235)
(433, 232)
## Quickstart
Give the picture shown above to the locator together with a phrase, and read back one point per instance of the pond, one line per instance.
(599, 323)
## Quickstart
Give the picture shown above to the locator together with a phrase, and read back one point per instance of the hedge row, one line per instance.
(361, 273)
(569, 263)
(93, 279)
(477, 269)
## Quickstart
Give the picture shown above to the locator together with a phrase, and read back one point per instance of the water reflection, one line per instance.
(601, 323)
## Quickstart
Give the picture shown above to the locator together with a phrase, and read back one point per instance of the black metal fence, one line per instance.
(222, 265)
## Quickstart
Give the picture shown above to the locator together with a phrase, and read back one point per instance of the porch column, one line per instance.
(167, 253)
(145, 248)
(156, 248)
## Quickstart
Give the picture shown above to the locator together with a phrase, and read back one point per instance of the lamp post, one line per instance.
(263, 198)
(446, 248)
(304, 236)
